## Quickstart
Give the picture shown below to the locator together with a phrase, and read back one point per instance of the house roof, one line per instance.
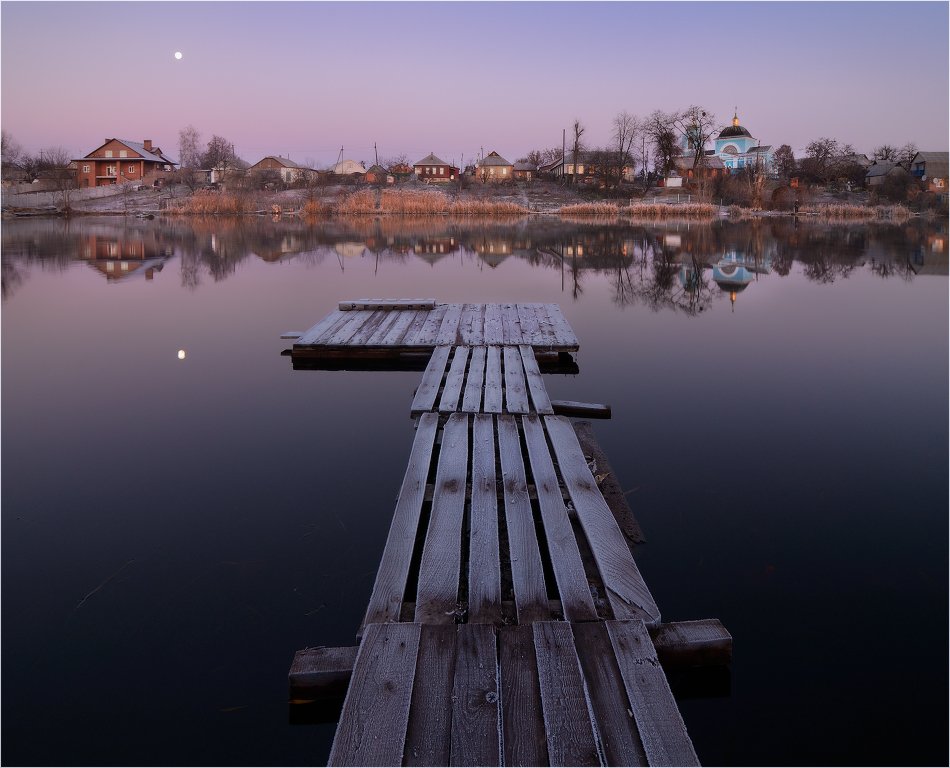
(710, 161)
(525, 167)
(882, 168)
(153, 155)
(348, 166)
(493, 158)
(377, 169)
(430, 159)
(936, 163)
(285, 162)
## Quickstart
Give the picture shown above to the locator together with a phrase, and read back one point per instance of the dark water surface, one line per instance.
(174, 529)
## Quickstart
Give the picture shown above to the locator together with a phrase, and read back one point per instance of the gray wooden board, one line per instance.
(568, 727)
(475, 710)
(449, 330)
(527, 571)
(392, 304)
(376, 328)
(484, 565)
(372, 727)
(474, 382)
(415, 327)
(430, 328)
(452, 390)
(511, 325)
(516, 395)
(429, 733)
(314, 334)
(562, 546)
(692, 643)
(493, 381)
(539, 393)
(528, 318)
(608, 698)
(397, 331)
(357, 319)
(628, 594)
(575, 408)
(322, 669)
(548, 337)
(428, 389)
(437, 594)
(562, 330)
(659, 722)
(389, 589)
(472, 324)
(494, 334)
(522, 716)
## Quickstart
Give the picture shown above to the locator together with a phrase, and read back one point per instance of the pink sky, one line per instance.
(301, 79)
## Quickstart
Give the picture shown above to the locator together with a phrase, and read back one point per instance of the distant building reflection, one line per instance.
(130, 254)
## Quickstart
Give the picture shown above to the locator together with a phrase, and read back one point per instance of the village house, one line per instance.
(286, 168)
(376, 174)
(432, 169)
(348, 168)
(524, 171)
(685, 173)
(402, 171)
(119, 161)
(931, 168)
(494, 167)
(878, 171)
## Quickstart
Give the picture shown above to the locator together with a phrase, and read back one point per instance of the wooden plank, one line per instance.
(428, 390)
(388, 304)
(563, 332)
(398, 329)
(291, 334)
(583, 410)
(475, 707)
(511, 325)
(528, 317)
(562, 546)
(494, 333)
(475, 382)
(527, 571)
(372, 728)
(493, 380)
(322, 671)
(429, 733)
(375, 328)
(568, 728)
(388, 593)
(343, 333)
(437, 595)
(449, 330)
(692, 643)
(414, 329)
(452, 390)
(659, 722)
(536, 388)
(484, 565)
(628, 594)
(516, 394)
(315, 334)
(522, 716)
(471, 324)
(430, 329)
(616, 727)
(546, 334)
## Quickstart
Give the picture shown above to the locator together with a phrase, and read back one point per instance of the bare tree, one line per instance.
(783, 162)
(906, 154)
(697, 126)
(10, 148)
(577, 146)
(626, 128)
(660, 130)
(53, 165)
(189, 156)
(885, 153)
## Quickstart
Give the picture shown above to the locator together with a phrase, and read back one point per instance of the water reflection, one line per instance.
(675, 266)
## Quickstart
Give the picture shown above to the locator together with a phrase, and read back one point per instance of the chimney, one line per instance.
(147, 143)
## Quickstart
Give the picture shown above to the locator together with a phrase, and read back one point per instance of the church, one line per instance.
(737, 148)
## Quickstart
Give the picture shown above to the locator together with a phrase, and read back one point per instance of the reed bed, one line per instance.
(208, 202)
(485, 208)
(589, 209)
(663, 211)
(408, 202)
(864, 212)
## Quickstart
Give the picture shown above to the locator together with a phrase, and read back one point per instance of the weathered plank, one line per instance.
(397, 330)
(449, 330)
(516, 395)
(475, 707)
(372, 728)
(321, 329)
(437, 595)
(429, 733)
(412, 332)
(628, 594)
(471, 324)
(608, 699)
(528, 318)
(562, 546)
(322, 671)
(474, 382)
(291, 334)
(568, 729)
(539, 394)
(388, 591)
(493, 381)
(659, 722)
(343, 333)
(376, 328)
(494, 333)
(395, 304)
(484, 567)
(563, 333)
(430, 328)
(522, 716)
(575, 408)
(511, 325)
(428, 390)
(452, 390)
(527, 571)
(692, 643)
(546, 333)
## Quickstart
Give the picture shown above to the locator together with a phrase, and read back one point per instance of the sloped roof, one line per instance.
(153, 155)
(347, 167)
(286, 162)
(709, 161)
(493, 158)
(882, 168)
(936, 163)
(377, 169)
(431, 159)
(522, 166)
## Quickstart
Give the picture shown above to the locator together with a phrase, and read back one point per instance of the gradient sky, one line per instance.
(301, 79)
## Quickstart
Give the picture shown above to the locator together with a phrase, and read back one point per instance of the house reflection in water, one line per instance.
(119, 258)
(732, 272)
(434, 248)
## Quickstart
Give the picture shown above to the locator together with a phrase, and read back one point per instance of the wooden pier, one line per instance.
(509, 623)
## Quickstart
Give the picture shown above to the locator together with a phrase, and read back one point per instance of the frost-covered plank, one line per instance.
(397, 330)
(493, 381)
(316, 333)
(437, 594)
(475, 707)
(484, 565)
(547, 337)
(564, 335)
(428, 389)
(528, 318)
(475, 382)
(568, 729)
(449, 330)
(659, 722)
(471, 324)
(539, 393)
(516, 395)
(415, 327)
(429, 733)
(372, 727)
(522, 717)
(354, 322)
(527, 571)
(388, 304)
(628, 594)
(375, 329)
(430, 328)
(452, 390)
(565, 556)
(389, 589)
(511, 324)
(494, 333)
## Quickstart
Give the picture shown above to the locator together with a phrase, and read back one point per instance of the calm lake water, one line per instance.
(174, 529)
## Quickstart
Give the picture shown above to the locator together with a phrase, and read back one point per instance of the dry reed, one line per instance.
(865, 212)
(208, 202)
(663, 211)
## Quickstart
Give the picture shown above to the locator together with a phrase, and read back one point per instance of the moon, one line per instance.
(181, 354)
(177, 54)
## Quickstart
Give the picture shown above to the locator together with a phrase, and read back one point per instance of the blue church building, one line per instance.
(737, 148)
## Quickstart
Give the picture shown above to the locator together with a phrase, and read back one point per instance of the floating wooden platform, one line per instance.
(509, 622)
(389, 328)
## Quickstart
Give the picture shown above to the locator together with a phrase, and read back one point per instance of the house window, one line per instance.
(108, 153)
(441, 171)
(85, 169)
(123, 153)
(110, 170)
(504, 171)
(131, 169)
(580, 170)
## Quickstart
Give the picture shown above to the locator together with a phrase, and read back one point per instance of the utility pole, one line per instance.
(563, 151)
(376, 152)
